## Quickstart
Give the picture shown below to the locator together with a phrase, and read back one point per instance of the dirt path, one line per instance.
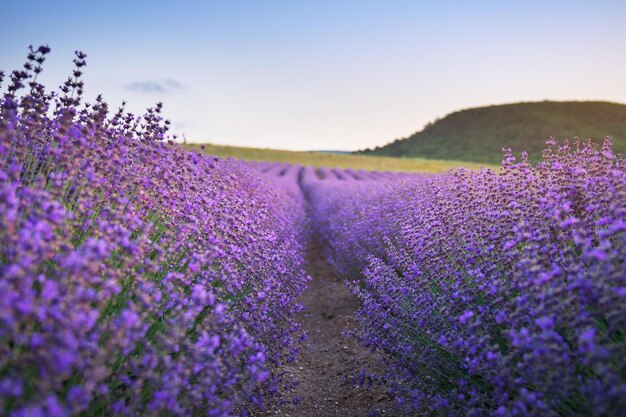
(329, 361)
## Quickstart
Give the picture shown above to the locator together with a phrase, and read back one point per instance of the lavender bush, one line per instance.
(491, 293)
(137, 278)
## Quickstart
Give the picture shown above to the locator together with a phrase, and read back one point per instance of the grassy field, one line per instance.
(319, 159)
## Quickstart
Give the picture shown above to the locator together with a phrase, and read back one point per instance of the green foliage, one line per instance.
(479, 134)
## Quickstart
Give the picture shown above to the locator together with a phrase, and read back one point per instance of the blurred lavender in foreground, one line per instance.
(137, 278)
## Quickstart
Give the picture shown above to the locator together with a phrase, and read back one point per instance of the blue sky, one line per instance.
(323, 74)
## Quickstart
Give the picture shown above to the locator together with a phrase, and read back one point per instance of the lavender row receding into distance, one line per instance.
(137, 278)
(489, 293)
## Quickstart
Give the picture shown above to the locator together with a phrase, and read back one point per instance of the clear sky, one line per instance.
(323, 74)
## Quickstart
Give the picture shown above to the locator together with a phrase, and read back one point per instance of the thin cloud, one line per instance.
(173, 84)
(151, 87)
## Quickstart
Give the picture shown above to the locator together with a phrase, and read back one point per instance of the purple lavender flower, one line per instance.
(137, 277)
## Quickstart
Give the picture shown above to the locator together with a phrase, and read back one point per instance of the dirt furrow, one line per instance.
(329, 362)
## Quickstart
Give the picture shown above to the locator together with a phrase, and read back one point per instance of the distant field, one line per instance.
(319, 159)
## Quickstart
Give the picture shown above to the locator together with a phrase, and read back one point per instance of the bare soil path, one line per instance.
(329, 361)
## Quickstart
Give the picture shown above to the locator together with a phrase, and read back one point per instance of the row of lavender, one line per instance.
(295, 172)
(136, 277)
(491, 293)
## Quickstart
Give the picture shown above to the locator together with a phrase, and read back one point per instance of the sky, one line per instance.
(324, 74)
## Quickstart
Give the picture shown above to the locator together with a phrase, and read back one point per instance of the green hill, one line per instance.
(479, 134)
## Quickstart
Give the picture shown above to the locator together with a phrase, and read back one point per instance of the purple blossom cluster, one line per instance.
(490, 293)
(137, 278)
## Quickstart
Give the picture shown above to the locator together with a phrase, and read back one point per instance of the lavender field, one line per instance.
(141, 278)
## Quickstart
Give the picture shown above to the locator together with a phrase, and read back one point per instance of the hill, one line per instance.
(339, 160)
(479, 134)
